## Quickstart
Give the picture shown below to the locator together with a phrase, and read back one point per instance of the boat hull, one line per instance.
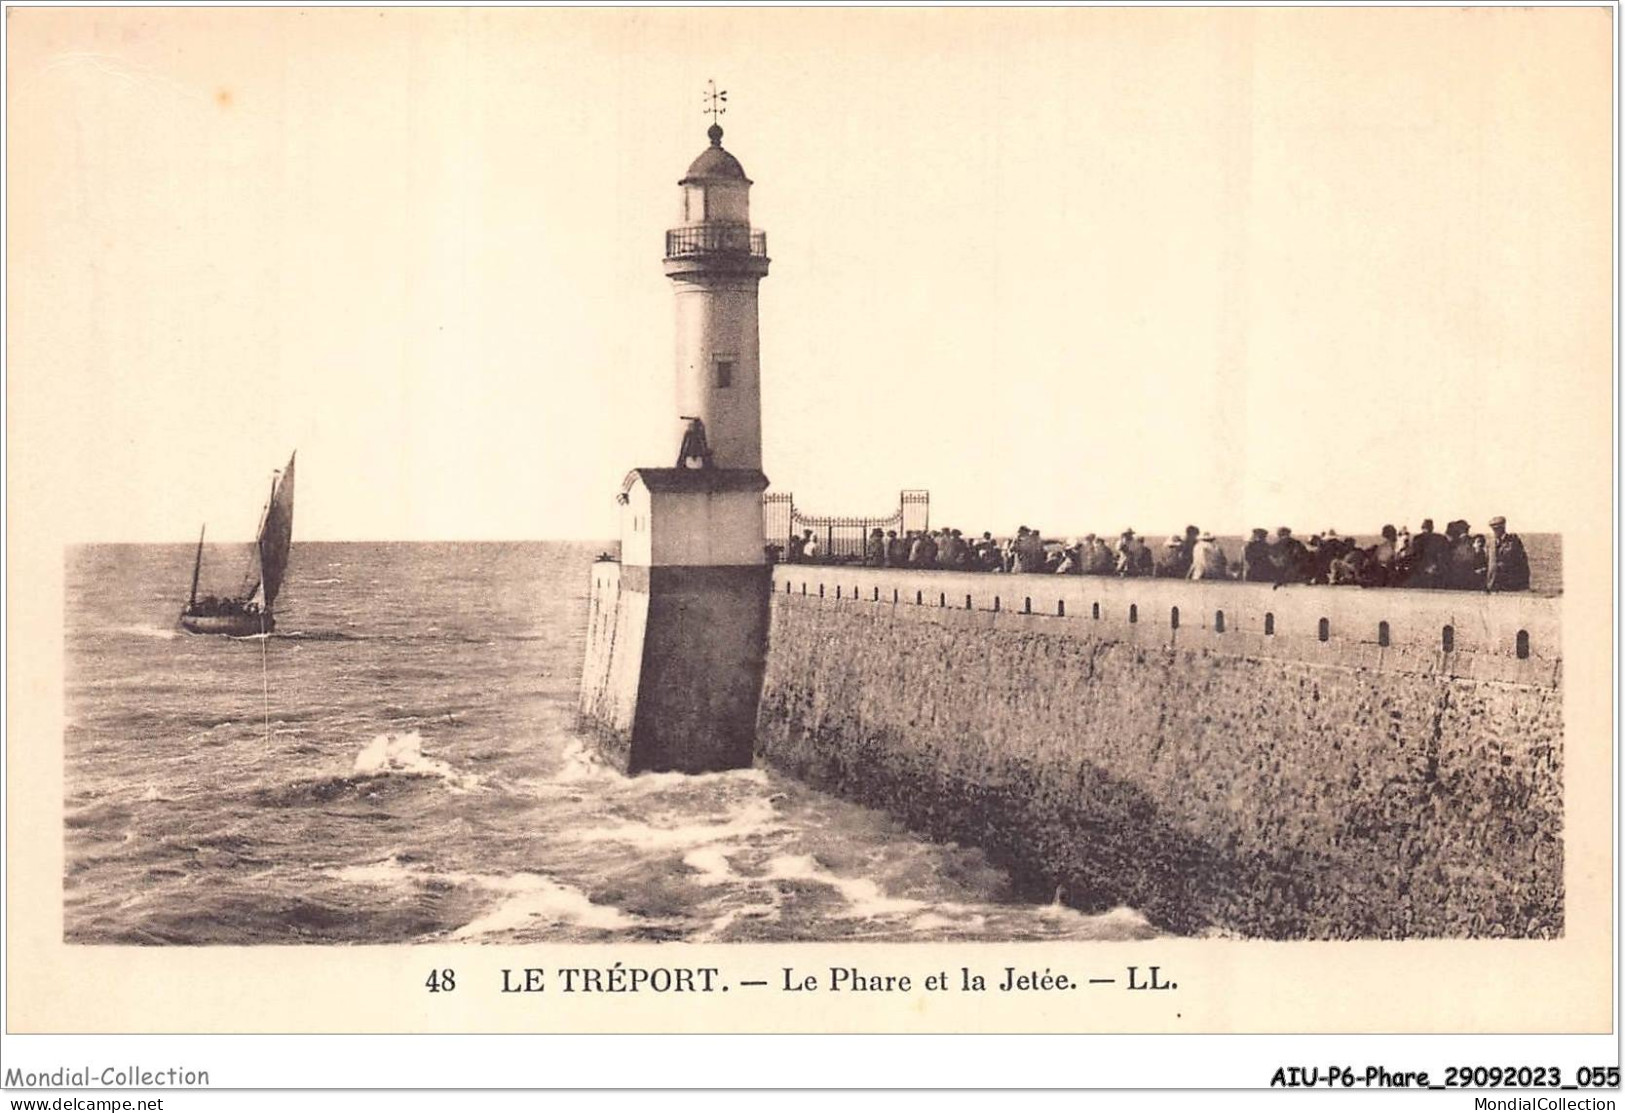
(232, 625)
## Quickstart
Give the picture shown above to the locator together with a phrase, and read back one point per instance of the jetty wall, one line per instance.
(1306, 762)
(673, 665)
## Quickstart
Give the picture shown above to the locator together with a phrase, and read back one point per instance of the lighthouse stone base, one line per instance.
(677, 630)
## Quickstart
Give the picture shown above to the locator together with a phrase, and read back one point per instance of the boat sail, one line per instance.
(251, 610)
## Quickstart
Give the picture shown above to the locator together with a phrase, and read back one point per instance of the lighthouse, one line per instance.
(715, 261)
(677, 628)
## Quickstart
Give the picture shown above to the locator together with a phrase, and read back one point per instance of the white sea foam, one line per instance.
(578, 763)
(756, 817)
(536, 901)
(529, 899)
(318, 583)
(864, 898)
(388, 872)
(403, 753)
(1121, 922)
(711, 863)
(663, 782)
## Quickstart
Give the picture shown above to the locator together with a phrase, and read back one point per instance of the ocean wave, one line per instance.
(528, 900)
(403, 754)
(756, 818)
(864, 898)
(534, 900)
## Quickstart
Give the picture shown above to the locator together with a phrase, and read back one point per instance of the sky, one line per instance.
(1079, 269)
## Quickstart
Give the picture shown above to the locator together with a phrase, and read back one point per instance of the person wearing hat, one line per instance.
(1460, 569)
(1028, 552)
(896, 550)
(1172, 563)
(1071, 559)
(1144, 562)
(1425, 567)
(1316, 568)
(1208, 560)
(1257, 563)
(1133, 558)
(1097, 557)
(988, 557)
(923, 553)
(1125, 553)
(1378, 571)
(1188, 545)
(1508, 562)
(874, 553)
(1290, 558)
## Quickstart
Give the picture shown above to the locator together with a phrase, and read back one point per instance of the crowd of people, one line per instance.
(1456, 559)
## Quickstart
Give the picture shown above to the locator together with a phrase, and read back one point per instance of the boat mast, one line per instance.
(197, 565)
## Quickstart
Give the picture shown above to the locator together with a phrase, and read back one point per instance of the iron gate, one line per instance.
(840, 538)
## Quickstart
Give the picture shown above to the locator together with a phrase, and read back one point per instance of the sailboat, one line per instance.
(249, 611)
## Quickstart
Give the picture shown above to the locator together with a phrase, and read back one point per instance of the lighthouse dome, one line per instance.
(715, 163)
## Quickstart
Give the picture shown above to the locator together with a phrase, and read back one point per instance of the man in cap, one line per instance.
(1257, 564)
(1098, 558)
(988, 557)
(923, 553)
(1290, 558)
(874, 553)
(1461, 571)
(1379, 570)
(1144, 562)
(896, 550)
(1427, 552)
(1316, 568)
(1034, 557)
(1508, 563)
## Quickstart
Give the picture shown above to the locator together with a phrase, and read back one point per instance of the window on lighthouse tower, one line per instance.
(725, 373)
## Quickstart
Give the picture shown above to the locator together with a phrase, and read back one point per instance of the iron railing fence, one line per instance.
(841, 538)
(715, 239)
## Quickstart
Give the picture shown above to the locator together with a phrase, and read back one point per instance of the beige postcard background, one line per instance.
(1294, 264)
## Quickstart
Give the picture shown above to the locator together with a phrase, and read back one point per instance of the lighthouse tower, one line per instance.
(715, 260)
(677, 628)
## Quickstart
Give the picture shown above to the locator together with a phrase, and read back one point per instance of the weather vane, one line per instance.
(715, 102)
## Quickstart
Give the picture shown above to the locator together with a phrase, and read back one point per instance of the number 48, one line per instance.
(442, 981)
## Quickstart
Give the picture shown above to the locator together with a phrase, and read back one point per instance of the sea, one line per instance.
(398, 763)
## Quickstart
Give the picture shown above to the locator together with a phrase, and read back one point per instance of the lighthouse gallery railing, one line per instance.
(715, 239)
